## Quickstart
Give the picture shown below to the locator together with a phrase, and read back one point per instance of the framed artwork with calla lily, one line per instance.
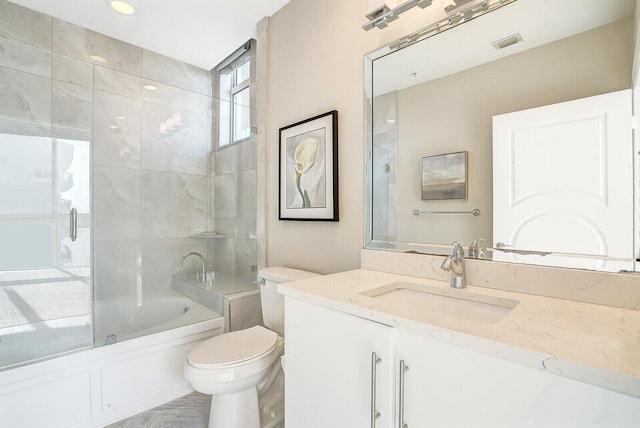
(309, 169)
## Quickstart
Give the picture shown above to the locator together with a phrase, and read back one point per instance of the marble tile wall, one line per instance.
(150, 147)
(234, 207)
(385, 162)
(234, 210)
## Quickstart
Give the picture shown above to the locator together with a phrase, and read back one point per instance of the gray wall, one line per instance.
(454, 113)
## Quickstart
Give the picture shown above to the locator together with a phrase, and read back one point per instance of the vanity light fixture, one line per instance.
(122, 6)
(457, 13)
(383, 16)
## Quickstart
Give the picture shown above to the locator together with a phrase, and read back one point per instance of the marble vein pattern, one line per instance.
(161, 260)
(226, 196)
(116, 130)
(73, 71)
(117, 268)
(225, 160)
(247, 153)
(118, 82)
(247, 204)
(211, 219)
(591, 343)
(244, 254)
(24, 58)
(25, 25)
(172, 72)
(116, 203)
(72, 105)
(21, 127)
(81, 43)
(150, 149)
(25, 96)
(179, 98)
(173, 205)
(572, 284)
(174, 140)
(190, 411)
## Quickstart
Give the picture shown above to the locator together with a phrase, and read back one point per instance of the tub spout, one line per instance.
(203, 275)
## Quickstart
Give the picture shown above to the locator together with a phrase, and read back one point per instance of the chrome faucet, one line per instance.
(476, 251)
(455, 264)
(200, 276)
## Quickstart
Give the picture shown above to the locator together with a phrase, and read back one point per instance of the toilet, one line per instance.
(236, 367)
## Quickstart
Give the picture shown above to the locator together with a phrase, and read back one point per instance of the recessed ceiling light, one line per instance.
(150, 87)
(121, 6)
(98, 58)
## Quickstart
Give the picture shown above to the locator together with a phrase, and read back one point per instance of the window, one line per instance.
(235, 96)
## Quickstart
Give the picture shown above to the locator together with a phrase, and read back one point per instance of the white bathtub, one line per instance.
(125, 319)
(99, 386)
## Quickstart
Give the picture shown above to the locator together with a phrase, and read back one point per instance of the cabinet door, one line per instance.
(449, 386)
(328, 368)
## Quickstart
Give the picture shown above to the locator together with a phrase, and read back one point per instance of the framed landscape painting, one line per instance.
(444, 176)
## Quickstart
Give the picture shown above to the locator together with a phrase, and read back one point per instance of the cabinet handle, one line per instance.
(374, 413)
(403, 368)
(73, 224)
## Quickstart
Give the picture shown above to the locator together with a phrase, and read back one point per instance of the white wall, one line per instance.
(316, 52)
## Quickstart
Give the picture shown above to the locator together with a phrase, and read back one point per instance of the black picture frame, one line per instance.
(308, 169)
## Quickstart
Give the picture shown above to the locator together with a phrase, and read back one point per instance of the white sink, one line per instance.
(448, 301)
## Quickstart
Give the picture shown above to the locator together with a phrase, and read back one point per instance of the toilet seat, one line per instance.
(232, 349)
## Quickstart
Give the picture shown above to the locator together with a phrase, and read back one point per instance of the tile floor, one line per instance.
(190, 411)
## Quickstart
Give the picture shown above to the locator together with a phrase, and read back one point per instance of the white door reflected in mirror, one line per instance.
(563, 182)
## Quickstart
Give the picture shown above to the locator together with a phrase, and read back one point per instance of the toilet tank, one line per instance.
(273, 302)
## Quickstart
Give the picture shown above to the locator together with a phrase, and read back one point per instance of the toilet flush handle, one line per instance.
(262, 282)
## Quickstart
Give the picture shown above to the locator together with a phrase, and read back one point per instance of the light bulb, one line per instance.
(122, 7)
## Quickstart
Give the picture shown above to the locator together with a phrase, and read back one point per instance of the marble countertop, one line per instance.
(595, 344)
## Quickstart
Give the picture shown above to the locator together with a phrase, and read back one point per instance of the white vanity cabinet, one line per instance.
(450, 386)
(328, 377)
(329, 367)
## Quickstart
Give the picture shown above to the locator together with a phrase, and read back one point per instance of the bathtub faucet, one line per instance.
(201, 276)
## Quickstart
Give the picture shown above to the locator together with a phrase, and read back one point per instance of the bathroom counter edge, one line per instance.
(594, 344)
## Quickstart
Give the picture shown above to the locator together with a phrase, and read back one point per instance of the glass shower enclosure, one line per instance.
(45, 247)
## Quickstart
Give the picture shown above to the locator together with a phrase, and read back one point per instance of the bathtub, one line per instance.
(124, 319)
(141, 369)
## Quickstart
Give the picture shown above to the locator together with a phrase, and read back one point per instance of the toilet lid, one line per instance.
(233, 348)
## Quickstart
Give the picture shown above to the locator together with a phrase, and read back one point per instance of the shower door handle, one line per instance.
(73, 224)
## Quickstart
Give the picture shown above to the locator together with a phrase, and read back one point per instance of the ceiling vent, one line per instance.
(507, 41)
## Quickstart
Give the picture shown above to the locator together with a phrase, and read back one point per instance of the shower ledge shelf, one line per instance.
(207, 234)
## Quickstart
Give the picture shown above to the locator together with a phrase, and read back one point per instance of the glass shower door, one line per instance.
(45, 247)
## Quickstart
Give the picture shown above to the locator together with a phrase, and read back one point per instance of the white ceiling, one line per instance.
(198, 32)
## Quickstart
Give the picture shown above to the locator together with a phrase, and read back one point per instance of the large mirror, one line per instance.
(537, 96)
